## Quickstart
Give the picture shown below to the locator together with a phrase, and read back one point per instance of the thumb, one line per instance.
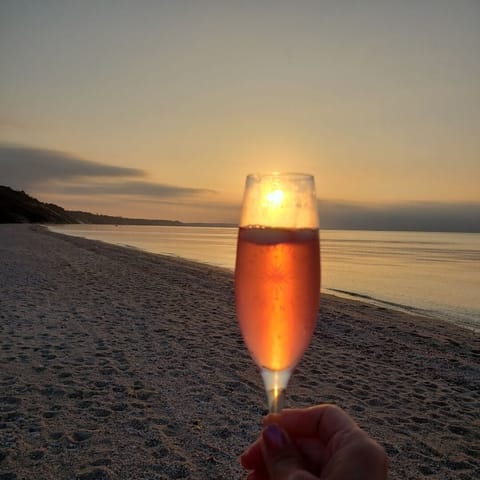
(281, 456)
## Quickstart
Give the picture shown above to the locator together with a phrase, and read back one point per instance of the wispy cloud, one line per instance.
(426, 216)
(75, 182)
(24, 167)
(12, 123)
(132, 188)
(36, 170)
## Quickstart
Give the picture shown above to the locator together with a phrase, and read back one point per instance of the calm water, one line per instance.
(429, 273)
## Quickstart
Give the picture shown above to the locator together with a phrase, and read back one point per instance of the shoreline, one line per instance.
(431, 308)
(350, 297)
(119, 363)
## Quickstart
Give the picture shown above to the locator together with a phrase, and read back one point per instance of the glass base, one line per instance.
(276, 382)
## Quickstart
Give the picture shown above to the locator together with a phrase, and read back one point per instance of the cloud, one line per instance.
(411, 216)
(132, 188)
(39, 170)
(12, 123)
(73, 181)
(23, 167)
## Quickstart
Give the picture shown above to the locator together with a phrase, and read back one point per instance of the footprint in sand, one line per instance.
(36, 454)
(96, 473)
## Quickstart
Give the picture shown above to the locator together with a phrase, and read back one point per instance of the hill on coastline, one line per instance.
(19, 207)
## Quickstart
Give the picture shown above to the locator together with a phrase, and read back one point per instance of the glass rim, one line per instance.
(297, 175)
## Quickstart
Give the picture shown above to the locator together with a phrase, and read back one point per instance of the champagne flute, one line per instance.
(277, 275)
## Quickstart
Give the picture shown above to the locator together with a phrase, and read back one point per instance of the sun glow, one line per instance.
(275, 198)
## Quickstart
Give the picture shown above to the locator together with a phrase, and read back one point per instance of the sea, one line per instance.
(431, 274)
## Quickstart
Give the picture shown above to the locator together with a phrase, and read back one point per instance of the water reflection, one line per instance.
(435, 273)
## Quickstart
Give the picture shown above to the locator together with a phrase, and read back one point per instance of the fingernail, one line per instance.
(274, 437)
(271, 418)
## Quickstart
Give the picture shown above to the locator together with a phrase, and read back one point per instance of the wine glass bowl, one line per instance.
(277, 274)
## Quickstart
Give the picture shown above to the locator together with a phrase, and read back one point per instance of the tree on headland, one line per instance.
(19, 207)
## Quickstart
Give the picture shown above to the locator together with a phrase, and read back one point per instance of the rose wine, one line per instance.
(277, 290)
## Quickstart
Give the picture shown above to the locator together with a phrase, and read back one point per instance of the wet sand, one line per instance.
(119, 364)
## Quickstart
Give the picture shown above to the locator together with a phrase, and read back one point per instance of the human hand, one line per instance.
(320, 442)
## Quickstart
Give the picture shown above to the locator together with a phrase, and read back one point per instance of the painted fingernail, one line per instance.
(274, 437)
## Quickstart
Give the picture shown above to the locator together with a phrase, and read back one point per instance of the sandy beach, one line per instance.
(120, 364)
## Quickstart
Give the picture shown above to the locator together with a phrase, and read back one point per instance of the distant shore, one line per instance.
(120, 364)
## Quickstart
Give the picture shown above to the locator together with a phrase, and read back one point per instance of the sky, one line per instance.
(158, 109)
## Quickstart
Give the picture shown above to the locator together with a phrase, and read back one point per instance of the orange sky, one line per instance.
(379, 101)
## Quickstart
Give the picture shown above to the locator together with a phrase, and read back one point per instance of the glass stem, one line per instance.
(276, 382)
(276, 400)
